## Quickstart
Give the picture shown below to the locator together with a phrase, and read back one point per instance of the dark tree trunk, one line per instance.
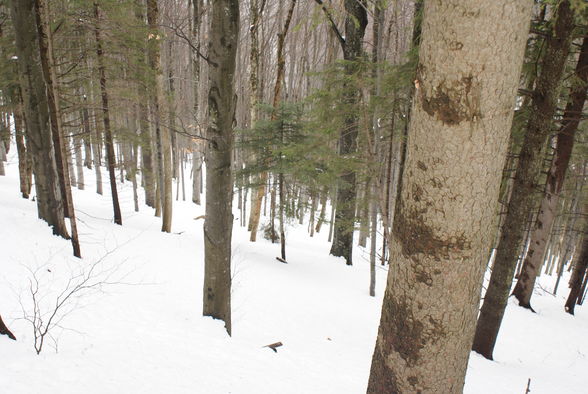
(110, 158)
(555, 179)
(49, 72)
(355, 25)
(529, 167)
(578, 276)
(5, 331)
(36, 111)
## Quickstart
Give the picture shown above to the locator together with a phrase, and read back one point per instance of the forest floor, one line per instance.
(137, 325)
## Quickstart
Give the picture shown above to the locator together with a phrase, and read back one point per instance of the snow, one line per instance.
(141, 330)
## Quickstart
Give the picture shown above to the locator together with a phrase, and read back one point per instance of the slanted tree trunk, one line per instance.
(577, 279)
(555, 179)
(5, 331)
(50, 202)
(465, 95)
(108, 141)
(218, 224)
(529, 167)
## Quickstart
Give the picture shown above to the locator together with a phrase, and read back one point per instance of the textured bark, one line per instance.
(470, 59)
(108, 141)
(555, 179)
(529, 167)
(355, 25)
(218, 224)
(38, 129)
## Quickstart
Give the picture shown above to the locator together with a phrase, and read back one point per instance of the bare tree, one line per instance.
(218, 224)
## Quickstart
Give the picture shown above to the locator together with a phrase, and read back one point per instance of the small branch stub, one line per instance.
(274, 346)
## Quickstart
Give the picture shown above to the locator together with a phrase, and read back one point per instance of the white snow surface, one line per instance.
(140, 328)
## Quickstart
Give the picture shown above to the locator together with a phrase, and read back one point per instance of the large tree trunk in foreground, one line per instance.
(555, 179)
(50, 204)
(529, 167)
(470, 59)
(218, 224)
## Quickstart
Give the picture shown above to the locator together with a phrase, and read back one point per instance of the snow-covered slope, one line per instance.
(139, 329)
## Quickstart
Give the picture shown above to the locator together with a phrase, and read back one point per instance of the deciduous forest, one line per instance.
(293, 196)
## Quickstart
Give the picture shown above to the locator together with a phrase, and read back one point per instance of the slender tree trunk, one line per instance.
(255, 13)
(162, 137)
(197, 9)
(24, 157)
(555, 179)
(218, 225)
(196, 174)
(322, 215)
(96, 152)
(466, 87)
(373, 244)
(530, 164)
(108, 140)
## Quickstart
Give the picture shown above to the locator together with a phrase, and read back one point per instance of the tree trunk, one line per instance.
(162, 137)
(24, 157)
(465, 94)
(555, 179)
(578, 276)
(61, 150)
(255, 12)
(108, 141)
(355, 25)
(530, 164)
(218, 225)
(50, 203)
